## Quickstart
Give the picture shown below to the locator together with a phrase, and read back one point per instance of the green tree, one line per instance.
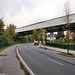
(11, 31)
(1, 26)
(5, 37)
(74, 38)
(35, 34)
(1, 29)
(60, 35)
(30, 37)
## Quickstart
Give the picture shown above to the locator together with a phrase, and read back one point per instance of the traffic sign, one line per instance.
(70, 37)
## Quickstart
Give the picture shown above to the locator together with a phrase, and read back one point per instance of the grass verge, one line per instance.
(66, 54)
(9, 46)
(21, 64)
(59, 47)
(41, 47)
(4, 48)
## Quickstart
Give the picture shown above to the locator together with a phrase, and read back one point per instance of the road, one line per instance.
(43, 62)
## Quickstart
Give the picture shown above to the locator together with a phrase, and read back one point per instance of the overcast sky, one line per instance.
(25, 12)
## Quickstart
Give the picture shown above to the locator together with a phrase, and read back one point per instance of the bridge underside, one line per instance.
(51, 29)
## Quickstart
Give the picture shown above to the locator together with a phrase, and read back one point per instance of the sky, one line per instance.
(25, 12)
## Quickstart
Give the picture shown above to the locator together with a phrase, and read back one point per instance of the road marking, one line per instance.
(55, 61)
(73, 58)
(2, 74)
(34, 51)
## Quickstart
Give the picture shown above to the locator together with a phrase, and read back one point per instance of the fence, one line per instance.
(4, 44)
(61, 46)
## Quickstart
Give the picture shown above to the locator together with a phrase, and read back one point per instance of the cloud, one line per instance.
(24, 12)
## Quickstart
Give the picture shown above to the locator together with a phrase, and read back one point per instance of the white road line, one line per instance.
(2, 74)
(29, 70)
(55, 61)
(34, 51)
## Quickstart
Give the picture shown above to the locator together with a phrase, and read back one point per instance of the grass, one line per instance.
(66, 43)
(60, 48)
(23, 68)
(40, 47)
(66, 54)
(4, 48)
(21, 65)
(9, 46)
(55, 47)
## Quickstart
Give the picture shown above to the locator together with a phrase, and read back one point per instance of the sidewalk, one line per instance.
(9, 64)
(70, 60)
(59, 50)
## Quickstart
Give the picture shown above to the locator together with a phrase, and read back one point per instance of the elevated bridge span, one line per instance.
(52, 25)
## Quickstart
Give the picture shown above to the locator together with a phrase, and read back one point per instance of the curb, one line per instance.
(25, 65)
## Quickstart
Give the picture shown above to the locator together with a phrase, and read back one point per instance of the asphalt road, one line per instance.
(42, 62)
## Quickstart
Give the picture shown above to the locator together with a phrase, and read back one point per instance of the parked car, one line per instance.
(36, 42)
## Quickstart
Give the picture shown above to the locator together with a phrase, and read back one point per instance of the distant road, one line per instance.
(42, 62)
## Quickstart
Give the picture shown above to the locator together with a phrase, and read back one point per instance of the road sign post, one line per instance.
(70, 38)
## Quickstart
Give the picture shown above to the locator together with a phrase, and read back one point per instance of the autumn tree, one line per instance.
(40, 33)
(67, 21)
(67, 17)
(67, 34)
(35, 34)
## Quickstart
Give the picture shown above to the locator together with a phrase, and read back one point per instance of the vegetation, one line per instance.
(60, 35)
(35, 34)
(72, 55)
(3, 48)
(40, 33)
(22, 66)
(8, 34)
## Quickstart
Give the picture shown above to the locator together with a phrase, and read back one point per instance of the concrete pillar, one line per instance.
(27, 38)
(53, 37)
(50, 37)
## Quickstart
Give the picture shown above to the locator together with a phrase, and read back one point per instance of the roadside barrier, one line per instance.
(64, 46)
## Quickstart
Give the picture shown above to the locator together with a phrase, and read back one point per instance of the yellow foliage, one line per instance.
(67, 34)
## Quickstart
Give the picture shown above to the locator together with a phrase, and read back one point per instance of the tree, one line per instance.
(1, 26)
(40, 33)
(30, 37)
(67, 21)
(35, 34)
(60, 35)
(73, 37)
(67, 34)
(11, 31)
(67, 18)
(1, 29)
(73, 31)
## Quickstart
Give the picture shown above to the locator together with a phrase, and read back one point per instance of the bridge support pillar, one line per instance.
(53, 37)
(27, 38)
(50, 37)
